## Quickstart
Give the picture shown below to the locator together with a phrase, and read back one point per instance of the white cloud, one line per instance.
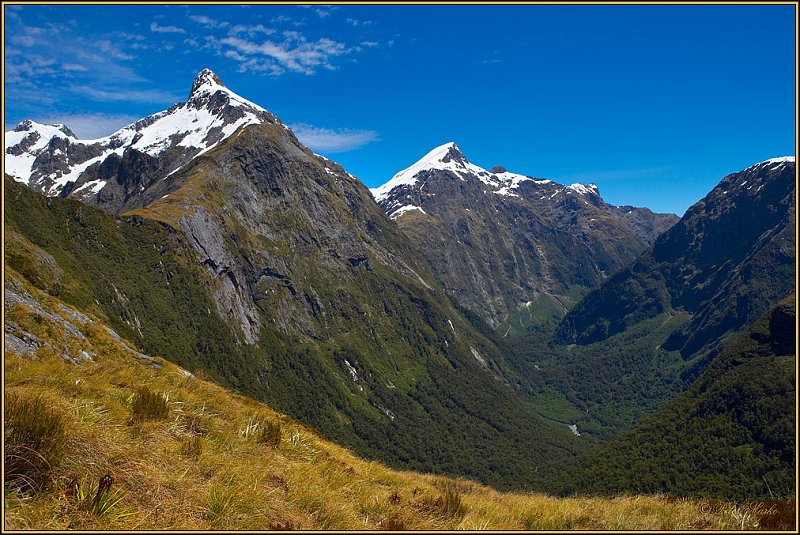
(112, 50)
(90, 125)
(155, 27)
(74, 67)
(208, 22)
(294, 53)
(61, 61)
(250, 30)
(24, 68)
(330, 141)
(235, 55)
(357, 22)
(118, 94)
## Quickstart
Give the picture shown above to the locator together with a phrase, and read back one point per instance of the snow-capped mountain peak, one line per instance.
(61, 130)
(408, 189)
(207, 87)
(447, 157)
(50, 157)
(584, 189)
(205, 81)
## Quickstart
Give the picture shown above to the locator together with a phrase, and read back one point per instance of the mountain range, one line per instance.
(454, 320)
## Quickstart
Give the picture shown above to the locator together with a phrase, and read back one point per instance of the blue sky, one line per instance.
(654, 104)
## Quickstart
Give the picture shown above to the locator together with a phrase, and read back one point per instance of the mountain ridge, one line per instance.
(644, 335)
(378, 315)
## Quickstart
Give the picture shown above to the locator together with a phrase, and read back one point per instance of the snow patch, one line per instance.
(774, 162)
(92, 188)
(583, 189)
(403, 209)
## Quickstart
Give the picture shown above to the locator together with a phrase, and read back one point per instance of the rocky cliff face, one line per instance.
(500, 242)
(279, 228)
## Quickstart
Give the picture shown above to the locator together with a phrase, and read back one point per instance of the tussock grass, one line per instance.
(217, 460)
(192, 446)
(219, 504)
(148, 404)
(35, 441)
(263, 431)
(98, 499)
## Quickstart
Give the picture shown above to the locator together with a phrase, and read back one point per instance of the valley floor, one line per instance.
(201, 457)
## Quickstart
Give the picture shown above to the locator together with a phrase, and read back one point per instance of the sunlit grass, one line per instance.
(212, 459)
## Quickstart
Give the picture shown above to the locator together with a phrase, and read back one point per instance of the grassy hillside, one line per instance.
(731, 435)
(184, 453)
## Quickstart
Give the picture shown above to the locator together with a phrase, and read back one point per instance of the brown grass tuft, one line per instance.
(147, 404)
(35, 442)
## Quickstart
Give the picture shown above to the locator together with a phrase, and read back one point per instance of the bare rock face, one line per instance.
(278, 228)
(234, 302)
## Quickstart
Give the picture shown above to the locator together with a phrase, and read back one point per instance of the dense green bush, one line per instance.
(731, 435)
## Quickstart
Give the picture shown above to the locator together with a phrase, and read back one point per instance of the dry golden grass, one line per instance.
(200, 467)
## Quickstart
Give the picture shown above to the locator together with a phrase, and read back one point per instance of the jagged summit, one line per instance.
(29, 125)
(443, 154)
(208, 91)
(453, 153)
(447, 157)
(205, 79)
